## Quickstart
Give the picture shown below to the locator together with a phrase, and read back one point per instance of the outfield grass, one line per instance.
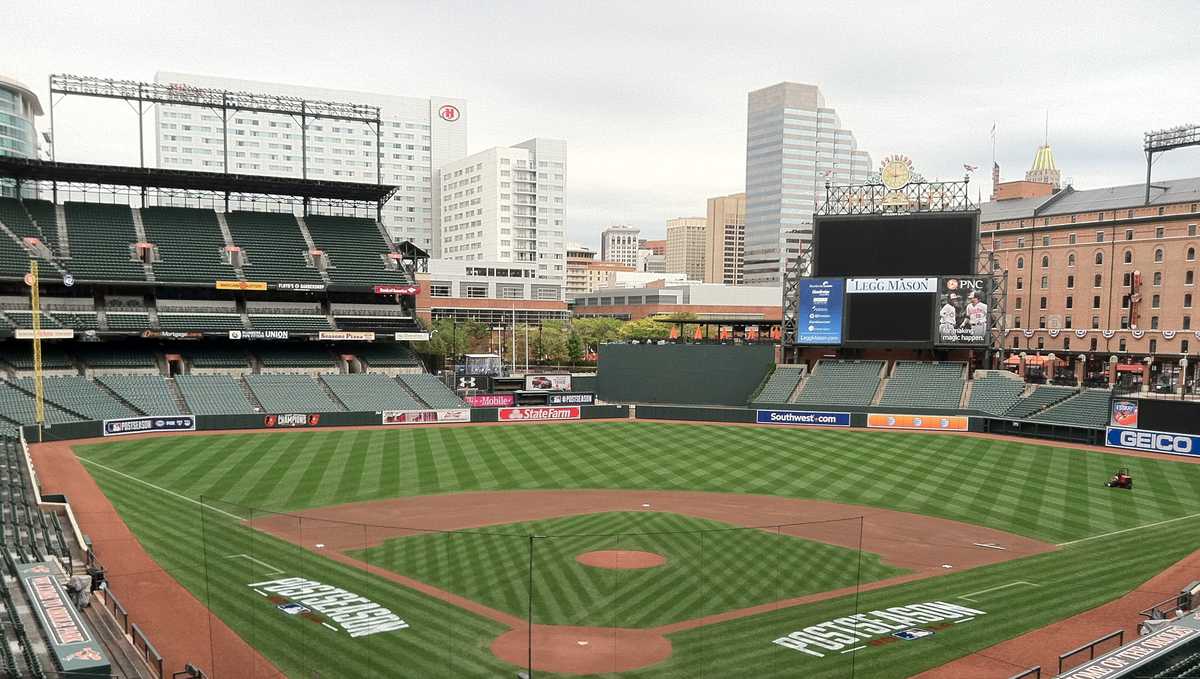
(711, 567)
(1054, 494)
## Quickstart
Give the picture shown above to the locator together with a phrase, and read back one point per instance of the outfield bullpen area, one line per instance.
(410, 551)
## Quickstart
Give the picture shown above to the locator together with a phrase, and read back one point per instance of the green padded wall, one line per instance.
(708, 374)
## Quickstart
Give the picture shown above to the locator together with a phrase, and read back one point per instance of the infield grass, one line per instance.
(1054, 494)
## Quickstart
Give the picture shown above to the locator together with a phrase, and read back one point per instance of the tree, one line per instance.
(574, 349)
(449, 338)
(645, 329)
(596, 331)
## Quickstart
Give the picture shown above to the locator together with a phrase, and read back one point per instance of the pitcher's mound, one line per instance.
(582, 650)
(621, 558)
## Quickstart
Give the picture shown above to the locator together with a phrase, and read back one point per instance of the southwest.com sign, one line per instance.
(1152, 441)
(803, 417)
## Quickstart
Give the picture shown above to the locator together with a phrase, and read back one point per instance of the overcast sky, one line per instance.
(651, 96)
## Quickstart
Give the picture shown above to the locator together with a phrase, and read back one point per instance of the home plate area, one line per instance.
(611, 574)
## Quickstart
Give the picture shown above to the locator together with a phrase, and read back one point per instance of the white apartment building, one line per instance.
(419, 135)
(619, 243)
(686, 238)
(794, 143)
(507, 204)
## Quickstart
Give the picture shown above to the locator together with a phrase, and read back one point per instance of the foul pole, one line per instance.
(35, 307)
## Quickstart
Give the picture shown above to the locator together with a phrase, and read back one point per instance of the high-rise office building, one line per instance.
(794, 144)
(619, 243)
(419, 135)
(685, 246)
(725, 239)
(507, 204)
(18, 108)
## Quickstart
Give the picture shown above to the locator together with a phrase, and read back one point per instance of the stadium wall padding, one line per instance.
(700, 374)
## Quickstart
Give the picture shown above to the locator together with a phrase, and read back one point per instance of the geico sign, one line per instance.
(1153, 441)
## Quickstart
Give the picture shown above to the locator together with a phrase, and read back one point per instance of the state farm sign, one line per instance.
(538, 414)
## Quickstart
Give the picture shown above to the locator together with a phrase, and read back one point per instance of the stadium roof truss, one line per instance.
(914, 197)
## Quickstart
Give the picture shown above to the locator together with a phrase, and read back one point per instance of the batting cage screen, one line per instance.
(638, 592)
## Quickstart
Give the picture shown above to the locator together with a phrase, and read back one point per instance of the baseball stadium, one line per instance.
(227, 453)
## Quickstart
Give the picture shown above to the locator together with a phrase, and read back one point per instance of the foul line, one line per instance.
(851, 650)
(993, 589)
(1126, 530)
(160, 488)
(273, 570)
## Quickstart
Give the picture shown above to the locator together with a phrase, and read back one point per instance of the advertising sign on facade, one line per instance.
(1124, 413)
(46, 333)
(891, 285)
(803, 418)
(490, 400)
(258, 334)
(76, 649)
(408, 290)
(570, 399)
(339, 335)
(535, 414)
(412, 337)
(962, 311)
(426, 416)
(313, 287)
(555, 382)
(819, 317)
(292, 420)
(925, 422)
(241, 285)
(145, 425)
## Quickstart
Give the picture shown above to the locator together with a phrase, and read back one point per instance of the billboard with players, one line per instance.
(819, 317)
(962, 313)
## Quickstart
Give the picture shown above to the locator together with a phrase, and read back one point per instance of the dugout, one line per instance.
(701, 374)
(1173, 650)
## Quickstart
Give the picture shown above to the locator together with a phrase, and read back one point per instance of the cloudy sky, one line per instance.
(651, 96)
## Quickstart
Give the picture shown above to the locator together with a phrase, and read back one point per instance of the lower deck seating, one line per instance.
(924, 385)
(388, 356)
(80, 395)
(843, 383)
(1089, 408)
(994, 392)
(216, 357)
(290, 393)
(213, 394)
(128, 320)
(371, 391)
(18, 406)
(432, 391)
(290, 323)
(147, 393)
(294, 357)
(781, 384)
(1042, 397)
(190, 321)
(19, 355)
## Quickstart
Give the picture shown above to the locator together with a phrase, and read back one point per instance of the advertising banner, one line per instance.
(172, 334)
(72, 641)
(490, 400)
(803, 418)
(315, 287)
(1123, 661)
(536, 414)
(891, 285)
(292, 420)
(962, 311)
(412, 337)
(1152, 441)
(1124, 413)
(479, 382)
(425, 416)
(346, 335)
(409, 290)
(46, 333)
(819, 318)
(580, 399)
(925, 422)
(555, 382)
(258, 334)
(241, 285)
(144, 425)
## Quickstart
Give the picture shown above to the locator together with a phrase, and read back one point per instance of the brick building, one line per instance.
(1103, 279)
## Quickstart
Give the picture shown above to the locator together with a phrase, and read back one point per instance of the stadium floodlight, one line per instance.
(1159, 141)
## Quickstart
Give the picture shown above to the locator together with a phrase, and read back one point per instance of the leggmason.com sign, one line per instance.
(332, 607)
(803, 417)
(538, 414)
(851, 631)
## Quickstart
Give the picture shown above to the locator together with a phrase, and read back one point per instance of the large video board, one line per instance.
(895, 245)
(819, 317)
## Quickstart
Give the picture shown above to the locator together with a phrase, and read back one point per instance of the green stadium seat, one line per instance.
(148, 393)
(371, 391)
(190, 244)
(432, 391)
(995, 391)
(924, 385)
(1042, 397)
(1088, 408)
(290, 393)
(781, 384)
(274, 247)
(80, 395)
(356, 251)
(213, 395)
(841, 383)
(101, 237)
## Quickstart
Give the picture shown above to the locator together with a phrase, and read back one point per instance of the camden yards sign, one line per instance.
(331, 607)
(876, 628)
(75, 647)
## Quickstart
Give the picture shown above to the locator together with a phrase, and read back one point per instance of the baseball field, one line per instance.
(650, 549)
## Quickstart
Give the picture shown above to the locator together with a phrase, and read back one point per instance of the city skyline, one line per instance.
(646, 144)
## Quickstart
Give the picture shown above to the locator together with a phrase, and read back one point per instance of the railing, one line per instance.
(1031, 673)
(150, 654)
(1156, 611)
(1091, 647)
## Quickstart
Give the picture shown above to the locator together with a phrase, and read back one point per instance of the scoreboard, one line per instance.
(903, 281)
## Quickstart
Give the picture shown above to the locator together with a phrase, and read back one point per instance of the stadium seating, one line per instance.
(356, 249)
(843, 383)
(18, 406)
(432, 391)
(199, 321)
(294, 356)
(20, 355)
(116, 356)
(1043, 397)
(995, 391)
(387, 356)
(190, 244)
(274, 247)
(213, 394)
(148, 393)
(101, 237)
(203, 356)
(377, 323)
(371, 391)
(79, 395)
(781, 384)
(925, 385)
(1089, 408)
(290, 393)
(128, 320)
(289, 322)
(20, 218)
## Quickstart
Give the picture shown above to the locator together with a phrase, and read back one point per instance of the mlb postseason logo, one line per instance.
(143, 425)
(583, 399)
(1152, 441)
(803, 418)
(1124, 413)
